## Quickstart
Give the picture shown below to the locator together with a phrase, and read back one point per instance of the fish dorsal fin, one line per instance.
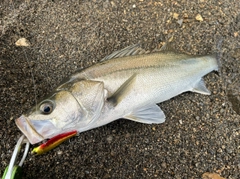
(128, 51)
(122, 91)
(201, 88)
(147, 114)
(167, 47)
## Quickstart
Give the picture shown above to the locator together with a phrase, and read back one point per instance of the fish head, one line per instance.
(71, 107)
(51, 116)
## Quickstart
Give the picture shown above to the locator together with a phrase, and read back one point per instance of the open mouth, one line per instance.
(29, 131)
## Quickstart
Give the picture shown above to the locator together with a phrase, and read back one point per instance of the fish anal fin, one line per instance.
(147, 115)
(201, 88)
(128, 51)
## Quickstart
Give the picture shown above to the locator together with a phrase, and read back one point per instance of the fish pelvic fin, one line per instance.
(201, 88)
(147, 115)
(128, 51)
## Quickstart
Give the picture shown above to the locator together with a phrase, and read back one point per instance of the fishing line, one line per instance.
(31, 71)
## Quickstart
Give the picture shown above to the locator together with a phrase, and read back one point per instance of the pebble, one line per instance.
(22, 42)
(175, 15)
(59, 152)
(109, 139)
(199, 18)
(180, 22)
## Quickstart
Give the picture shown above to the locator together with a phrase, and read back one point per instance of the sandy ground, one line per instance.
(201, 133)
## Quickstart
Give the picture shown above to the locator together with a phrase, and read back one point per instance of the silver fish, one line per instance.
(126, 84)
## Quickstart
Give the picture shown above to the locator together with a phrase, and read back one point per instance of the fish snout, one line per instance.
(26, 128)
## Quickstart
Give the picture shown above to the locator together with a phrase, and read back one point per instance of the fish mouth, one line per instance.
(28, 130)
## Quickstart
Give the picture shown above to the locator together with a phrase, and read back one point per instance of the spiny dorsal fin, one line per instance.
(128, 51)
(166, 48)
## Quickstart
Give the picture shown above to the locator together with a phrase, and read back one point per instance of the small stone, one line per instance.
(197, 164)
(222, 110)
(199, 18)
(180, 22)
(134, 6)
(106, 176)
(113, 4)
(180, 121)
(185, 15)
(127, 135)
(59, 152)
(211, 176)
(175, 15)
(22, 42)
(164, 165)
(229, 150)
(109, 139)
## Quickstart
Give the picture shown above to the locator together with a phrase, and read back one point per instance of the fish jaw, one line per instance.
(24, 125)
(27, 129)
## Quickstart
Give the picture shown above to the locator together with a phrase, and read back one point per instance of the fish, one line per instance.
(128, 83)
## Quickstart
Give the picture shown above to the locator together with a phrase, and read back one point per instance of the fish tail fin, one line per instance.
(215, 63)
(216, 56)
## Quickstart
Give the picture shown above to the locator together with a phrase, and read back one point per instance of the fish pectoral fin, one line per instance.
(147, 115)
(201, 88)
(128, 51)
(121, 92)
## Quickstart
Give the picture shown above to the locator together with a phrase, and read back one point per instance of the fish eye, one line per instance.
(46, 107)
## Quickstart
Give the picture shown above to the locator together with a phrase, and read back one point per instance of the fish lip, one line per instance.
(24, 125)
